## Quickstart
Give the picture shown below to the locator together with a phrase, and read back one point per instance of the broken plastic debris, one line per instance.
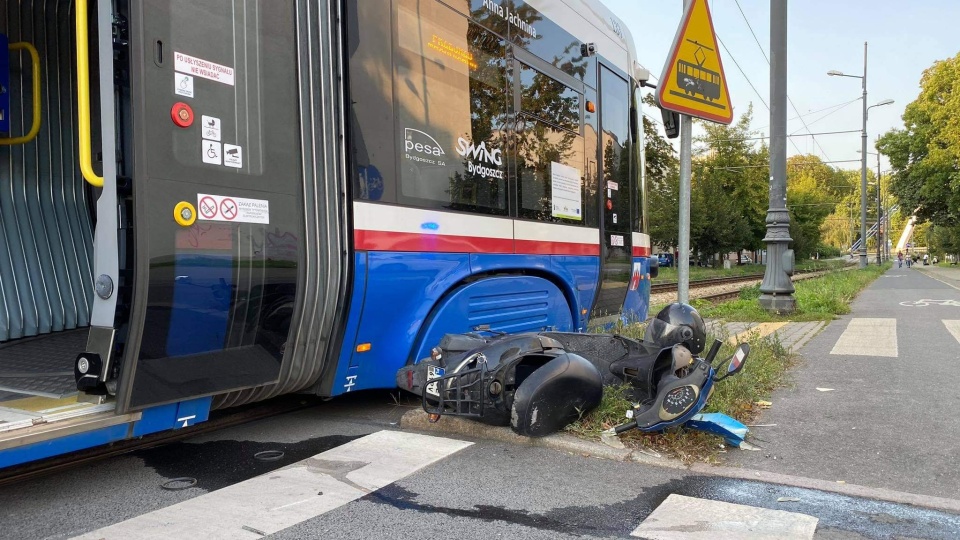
(648, 452)
(764, 404)
(609, 438)
(841, 481)
(747, 446)
(788, 499)
(825, 389)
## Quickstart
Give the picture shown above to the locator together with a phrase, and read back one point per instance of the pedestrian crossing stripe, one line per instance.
(868, 337)
(690, 518)
(953, 326)
(285, 497)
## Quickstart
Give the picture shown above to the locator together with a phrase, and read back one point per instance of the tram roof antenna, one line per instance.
(698, 44)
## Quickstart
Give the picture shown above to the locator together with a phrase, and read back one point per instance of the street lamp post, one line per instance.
(863, 161)
(879, 236)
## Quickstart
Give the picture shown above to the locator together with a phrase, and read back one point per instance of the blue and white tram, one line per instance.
(228, 201)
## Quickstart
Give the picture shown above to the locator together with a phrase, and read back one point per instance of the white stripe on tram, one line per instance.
(285, 497)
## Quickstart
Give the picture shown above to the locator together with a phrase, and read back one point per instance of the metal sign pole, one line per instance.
(692, 84)
(683, 261)
(683, 237)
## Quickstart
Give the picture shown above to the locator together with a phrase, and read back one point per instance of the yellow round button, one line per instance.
(184, 213)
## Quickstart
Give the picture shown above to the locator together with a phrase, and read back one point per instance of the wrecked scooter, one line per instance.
(540, 382)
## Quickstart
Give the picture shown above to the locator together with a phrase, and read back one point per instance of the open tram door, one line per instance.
(219, 194)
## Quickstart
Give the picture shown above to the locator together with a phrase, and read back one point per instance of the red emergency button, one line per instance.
(182, 115)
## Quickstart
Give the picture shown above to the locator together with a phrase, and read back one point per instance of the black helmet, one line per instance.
(678, 323)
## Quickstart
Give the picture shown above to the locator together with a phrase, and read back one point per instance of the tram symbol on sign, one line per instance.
(228, 209)
(695, 79)
(208, 208)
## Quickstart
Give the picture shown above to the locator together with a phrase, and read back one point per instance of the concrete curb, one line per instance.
(416, 420)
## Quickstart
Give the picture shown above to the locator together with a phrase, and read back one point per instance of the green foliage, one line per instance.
(820, 298)
(925, 154)
(943, 239)
(764, 371)
(729, 189)
(663, 183)
(828, 251)
(813, 190)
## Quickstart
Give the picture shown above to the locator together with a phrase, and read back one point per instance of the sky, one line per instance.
(904, 39)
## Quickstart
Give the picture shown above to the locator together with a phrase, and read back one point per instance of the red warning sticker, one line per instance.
(191, 65)
(234, 209)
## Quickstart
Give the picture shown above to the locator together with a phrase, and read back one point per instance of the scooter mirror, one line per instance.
(736, 362)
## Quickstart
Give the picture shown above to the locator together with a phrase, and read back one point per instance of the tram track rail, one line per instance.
(219, 420)
(658, 288)
(734, 294)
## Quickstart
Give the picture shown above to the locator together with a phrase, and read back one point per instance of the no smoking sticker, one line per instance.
(207, 207)
(232, 209)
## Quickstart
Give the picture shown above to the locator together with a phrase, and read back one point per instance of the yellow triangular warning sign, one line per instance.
(692, 80)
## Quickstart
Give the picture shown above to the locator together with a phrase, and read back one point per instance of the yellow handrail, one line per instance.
(35, 59)
(83, 97)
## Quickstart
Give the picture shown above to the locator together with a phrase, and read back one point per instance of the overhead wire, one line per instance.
(765, 57)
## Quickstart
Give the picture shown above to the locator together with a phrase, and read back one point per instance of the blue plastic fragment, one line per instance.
(731, 430)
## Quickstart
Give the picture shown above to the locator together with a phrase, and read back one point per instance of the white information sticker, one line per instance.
(211, 152)
(210, 128)
(565, 193)
(232, 156)
(198, 67)
(183, 85)
(613, 185)
(235, 209)
(616, 240)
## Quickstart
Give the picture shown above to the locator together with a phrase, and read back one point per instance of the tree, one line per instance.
(810, 200)
(730, 182)
(663, 183)
(925, 154)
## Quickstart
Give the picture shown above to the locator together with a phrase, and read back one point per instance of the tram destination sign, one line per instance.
(692, 81)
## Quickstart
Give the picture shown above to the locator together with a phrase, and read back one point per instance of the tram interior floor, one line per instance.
(36, 375)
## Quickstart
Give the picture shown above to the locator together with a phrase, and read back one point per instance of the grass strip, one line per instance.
(818, 299)
(767, 368)
(765, 371)
(669, 275)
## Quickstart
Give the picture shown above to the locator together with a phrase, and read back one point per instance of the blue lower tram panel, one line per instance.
(153, 420)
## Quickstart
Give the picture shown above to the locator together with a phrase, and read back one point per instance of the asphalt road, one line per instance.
(488, 490)
(890, 421)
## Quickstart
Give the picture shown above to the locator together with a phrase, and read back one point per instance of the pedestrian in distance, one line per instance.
(899, 259)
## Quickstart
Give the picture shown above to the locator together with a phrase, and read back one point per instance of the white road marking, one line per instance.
(953, 326)
(688, 518)
(298, 492)
(868, 337)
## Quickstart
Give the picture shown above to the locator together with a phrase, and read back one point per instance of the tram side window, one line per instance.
(451, 107)
(550, 151)
(617, 154)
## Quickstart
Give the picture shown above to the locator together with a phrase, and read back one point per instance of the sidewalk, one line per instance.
(792, 335)
(873, 401)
